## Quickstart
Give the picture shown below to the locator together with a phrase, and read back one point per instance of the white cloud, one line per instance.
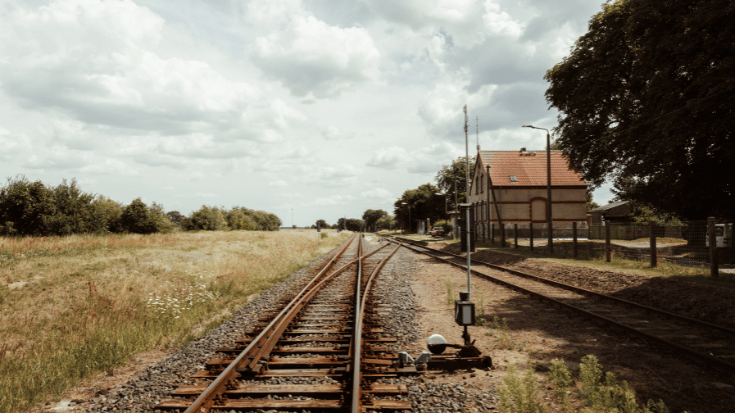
(277, 184)
(331, 200)
(14, 145)
(422, 160)
(332, 132)
(309, 57)
(377, 193)
(96, 61)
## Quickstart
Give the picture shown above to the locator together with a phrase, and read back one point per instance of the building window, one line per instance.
(482, 188)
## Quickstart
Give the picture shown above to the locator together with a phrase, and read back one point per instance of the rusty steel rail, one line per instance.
(266, 339)
(694, 354)
(253, 357)
(356, 405)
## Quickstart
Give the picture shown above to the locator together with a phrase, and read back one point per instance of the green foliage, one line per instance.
(208, 218)
(450, 291)
(371, 217)
(503, 340)
(73, 210)
(135, 218)
(519, 393)
(176, 218)
(481, 318)
(105, 215)
(386, 222)
(562, 380)
(420, 203)
(239, 219)
(455, 173)
(638, 212)
(351, 224)
(321, 224)
(28, 206)
(158, 220)
(641, 97)
(609, 396)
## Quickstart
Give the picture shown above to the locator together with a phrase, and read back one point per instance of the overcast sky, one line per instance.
(323, 107)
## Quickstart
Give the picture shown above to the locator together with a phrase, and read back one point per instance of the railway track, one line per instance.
(702, 341)
(322, 351)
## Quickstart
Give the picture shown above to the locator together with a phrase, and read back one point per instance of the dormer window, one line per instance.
(513, 178)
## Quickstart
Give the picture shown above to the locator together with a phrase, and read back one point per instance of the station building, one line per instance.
(519, 195)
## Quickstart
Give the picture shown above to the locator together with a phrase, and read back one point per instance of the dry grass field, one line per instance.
(74, 306)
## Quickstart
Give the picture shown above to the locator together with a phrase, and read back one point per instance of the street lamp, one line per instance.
(548, 184)
(409, 216)
(446, 201)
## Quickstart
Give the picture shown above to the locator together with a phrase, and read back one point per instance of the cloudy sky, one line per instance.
(316, 108)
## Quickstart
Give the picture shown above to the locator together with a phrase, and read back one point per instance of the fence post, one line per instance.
(530, 226)
(502, 236)
(608, 252)
(714, 270)
(574, 239)
(654, 253)
(492, 235)
(515, 233)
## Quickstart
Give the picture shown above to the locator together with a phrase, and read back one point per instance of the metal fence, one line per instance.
(683, 243)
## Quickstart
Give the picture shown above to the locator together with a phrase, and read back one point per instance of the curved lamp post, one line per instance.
(548, 184)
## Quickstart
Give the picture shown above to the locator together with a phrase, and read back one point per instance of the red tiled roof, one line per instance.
(529, 170)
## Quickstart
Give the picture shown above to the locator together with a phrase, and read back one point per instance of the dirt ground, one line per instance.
(537, 332)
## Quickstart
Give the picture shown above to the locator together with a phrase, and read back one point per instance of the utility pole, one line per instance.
(467, 175)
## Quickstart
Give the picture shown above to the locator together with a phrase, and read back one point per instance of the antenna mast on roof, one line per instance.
(477, 130)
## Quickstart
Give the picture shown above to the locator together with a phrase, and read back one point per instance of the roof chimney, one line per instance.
(523, 151)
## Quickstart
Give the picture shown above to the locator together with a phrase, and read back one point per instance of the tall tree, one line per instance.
(419, 203)
(26, 207)
(454, 175)
(320, 223)
(371, 217)
(135, 218)
(647, 95)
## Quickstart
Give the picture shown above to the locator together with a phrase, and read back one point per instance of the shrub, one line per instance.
(519, 393)
(27, 205)
(208, 218)
(135, 218)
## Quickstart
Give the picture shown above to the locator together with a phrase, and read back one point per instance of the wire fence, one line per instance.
(684, 243)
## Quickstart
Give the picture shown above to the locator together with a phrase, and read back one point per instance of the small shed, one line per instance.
(612, 212)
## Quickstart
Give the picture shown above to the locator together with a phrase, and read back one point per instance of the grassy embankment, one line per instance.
(617, 263)
(75, 306)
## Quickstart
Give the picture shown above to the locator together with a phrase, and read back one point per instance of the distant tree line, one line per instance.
(372, 220)
(34, 208)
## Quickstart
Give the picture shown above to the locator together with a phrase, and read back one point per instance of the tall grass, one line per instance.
(71, 307)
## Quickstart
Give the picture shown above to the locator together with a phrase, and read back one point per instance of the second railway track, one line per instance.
(705, 342)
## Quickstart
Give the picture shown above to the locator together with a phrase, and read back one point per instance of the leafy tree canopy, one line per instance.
(371, 217)
(386, 222)
(423, 202)
(455, 172)
(351, 224)
(321, 224)
(647, 96)
(26, 207)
